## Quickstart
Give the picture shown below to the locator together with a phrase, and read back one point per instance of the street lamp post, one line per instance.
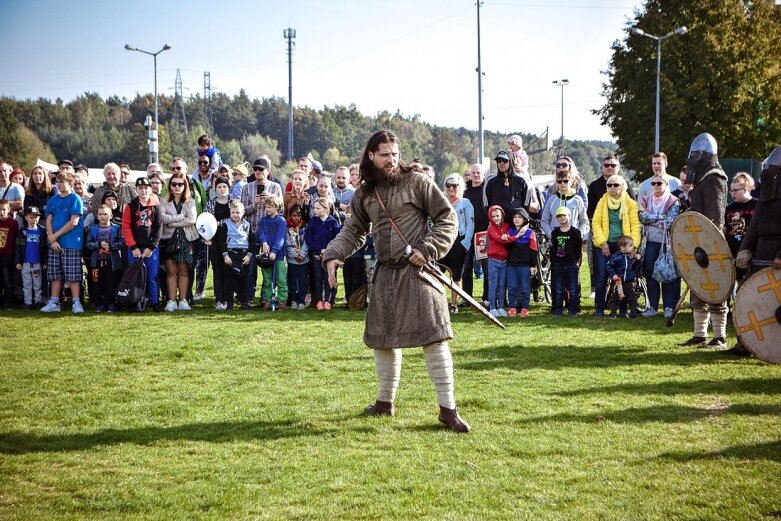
(659, 39)
(561, 83)
(152, 133)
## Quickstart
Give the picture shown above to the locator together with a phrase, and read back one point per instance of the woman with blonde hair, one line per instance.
(454, 259)
(616, 215)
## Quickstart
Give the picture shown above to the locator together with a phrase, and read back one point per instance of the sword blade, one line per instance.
(435, 272)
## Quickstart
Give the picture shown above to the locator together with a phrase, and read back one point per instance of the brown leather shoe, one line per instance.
(380, 409)
(453, 420)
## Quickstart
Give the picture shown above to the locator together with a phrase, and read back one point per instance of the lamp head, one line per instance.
(681, 30)
(166, 46)
(637, 30)
(128, 47)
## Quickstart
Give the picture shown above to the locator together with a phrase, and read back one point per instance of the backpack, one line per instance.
(131, 290)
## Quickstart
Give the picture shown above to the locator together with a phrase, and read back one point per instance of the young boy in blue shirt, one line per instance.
(31, 249)
(104, 246)
(271, 237)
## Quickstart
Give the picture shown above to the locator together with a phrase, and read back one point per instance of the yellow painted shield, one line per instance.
(757, 314)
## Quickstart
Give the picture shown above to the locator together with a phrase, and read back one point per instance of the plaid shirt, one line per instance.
(251, 213)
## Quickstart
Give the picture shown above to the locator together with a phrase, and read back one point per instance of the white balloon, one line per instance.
(206, 225)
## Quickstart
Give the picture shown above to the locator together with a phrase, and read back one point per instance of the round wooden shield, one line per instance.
(702, 257)
(757, 314)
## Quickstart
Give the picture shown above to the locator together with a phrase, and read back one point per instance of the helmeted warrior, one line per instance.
(708, 196)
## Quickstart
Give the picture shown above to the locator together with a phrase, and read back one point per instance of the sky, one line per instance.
(417, 57)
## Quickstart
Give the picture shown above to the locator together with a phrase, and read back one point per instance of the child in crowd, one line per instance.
(219, 207)
(65, 230)
(31, 250)
(297, 258)
(623, 267)
(9, 229)
(236, 243)
(498, 239)
(521, 263)
(319, 232)
(566, 250)
(272, 231)
(206, 148)
(104, 244)
(142, 226)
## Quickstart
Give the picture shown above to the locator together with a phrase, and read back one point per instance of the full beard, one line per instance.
(384, 178)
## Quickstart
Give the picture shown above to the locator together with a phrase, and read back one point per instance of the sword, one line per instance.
(430, 272)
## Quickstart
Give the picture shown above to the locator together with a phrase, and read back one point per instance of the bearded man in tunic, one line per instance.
(404, 310)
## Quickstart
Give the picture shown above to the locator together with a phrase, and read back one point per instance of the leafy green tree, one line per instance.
(254, 145)
(722, 77)
(230, 152)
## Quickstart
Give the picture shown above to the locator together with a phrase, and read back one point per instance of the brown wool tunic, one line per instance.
(404, 311)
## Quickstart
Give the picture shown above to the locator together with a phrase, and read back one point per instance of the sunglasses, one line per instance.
(502, 161)
(177, 185)
(176, 168)
(610, 165)
(656, 183)
(258, 168)
(562, 165)
(562, 181)
(203, 162)
(613, 185)
(451, 185)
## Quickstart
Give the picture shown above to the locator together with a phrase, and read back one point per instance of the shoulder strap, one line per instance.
(393, 223)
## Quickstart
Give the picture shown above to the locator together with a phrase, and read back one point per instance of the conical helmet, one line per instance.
(704, 143)
(774, 159)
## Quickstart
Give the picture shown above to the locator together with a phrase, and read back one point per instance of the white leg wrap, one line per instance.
(719, 324)
(700, 323)
(388, 365)
(440, 369)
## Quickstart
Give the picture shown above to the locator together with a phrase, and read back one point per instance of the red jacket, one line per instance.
(497, 248)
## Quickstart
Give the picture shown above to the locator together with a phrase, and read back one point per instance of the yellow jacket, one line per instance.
(600, 227)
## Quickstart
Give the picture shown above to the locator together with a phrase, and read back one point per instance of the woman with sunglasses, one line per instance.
(178, 215)
(565, 195)
(658, 209)
(615, 215)
(454, 259)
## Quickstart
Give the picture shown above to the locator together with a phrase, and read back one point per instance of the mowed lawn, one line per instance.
(256, 415)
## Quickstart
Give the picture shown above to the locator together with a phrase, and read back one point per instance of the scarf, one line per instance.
(621, 204)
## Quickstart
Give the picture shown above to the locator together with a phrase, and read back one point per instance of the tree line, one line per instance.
(94, 131)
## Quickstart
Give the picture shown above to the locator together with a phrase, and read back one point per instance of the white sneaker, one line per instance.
(668, 312)
(648, 313)
(77, 307)
(51, 307)
(495, 313)
(198, 296)
(501, 312)
(220, 306)
(184, 306)
(171, 306)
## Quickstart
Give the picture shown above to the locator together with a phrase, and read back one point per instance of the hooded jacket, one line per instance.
(508, 197)
(497, 247)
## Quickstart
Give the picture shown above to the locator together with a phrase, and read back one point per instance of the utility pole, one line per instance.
(207, 98)
(179, 103)
(290, 35)
(479, 91)
(562, 84)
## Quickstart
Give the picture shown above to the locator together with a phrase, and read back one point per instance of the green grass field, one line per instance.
(257, 415)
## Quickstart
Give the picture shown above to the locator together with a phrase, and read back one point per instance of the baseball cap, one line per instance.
(82, 166)
(65, 162)
(563, 210)
(261, 162)
(142, 181)
(33, 210)
(502, 155)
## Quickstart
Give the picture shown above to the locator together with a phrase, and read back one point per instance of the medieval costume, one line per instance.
(708, 196)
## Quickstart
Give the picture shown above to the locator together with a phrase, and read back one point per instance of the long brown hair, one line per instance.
(369, 173)
(46, 185)
(183, 178)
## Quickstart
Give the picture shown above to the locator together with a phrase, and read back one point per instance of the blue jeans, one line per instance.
(298, 281)
(497, 282)
(600, 275)
(669, 291)
(519, 285)
(565, 277)
(152, 264)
